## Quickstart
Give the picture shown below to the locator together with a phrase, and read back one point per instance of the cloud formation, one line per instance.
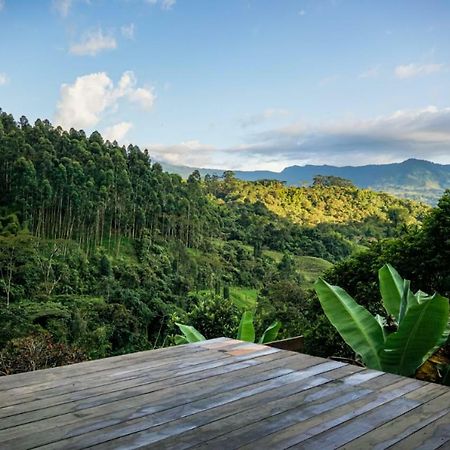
(190, 153)
(415, 70)
(423, 133)
(117, 132)
(2, 4)
(93, 42)
(83, 103)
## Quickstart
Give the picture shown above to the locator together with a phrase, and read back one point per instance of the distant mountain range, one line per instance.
(414, 178)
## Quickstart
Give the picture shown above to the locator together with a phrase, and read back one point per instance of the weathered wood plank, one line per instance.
(298, 423)
(173, 375)
(96, 415)
(335, 391)
(432, 436)
(38, 377)
(150, 357)
(295, 344)
(158, 426)
(206, 423)
(148, 391)
(409, 423)
(114, 380)
(220, 394)
(347, 430)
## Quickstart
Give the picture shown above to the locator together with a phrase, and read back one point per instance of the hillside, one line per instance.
(414, 179)
(102, 252)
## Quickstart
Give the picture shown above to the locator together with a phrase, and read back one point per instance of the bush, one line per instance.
(36, 352)
(214, 316)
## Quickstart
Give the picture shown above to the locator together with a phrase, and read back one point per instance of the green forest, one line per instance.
(102, 252)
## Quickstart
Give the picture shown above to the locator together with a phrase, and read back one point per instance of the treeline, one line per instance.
(65, 185)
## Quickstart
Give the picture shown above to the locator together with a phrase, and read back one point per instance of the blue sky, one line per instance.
(240, 84)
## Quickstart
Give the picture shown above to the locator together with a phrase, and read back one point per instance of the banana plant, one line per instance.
(422, 323)
(190, 334)
(246, 331)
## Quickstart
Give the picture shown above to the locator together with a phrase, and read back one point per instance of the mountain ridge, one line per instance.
(416, 179)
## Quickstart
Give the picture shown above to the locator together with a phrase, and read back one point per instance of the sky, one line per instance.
(237, 84)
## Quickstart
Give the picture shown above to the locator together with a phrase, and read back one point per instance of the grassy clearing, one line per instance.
(244, 298)
(309, 267)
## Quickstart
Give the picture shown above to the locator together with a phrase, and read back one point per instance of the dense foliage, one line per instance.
(421, 255)
(414, 326)
(101, 252)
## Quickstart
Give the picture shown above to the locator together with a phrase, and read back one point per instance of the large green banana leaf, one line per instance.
(418, 335)
(246, 330)
(190, 334)
(353, 322)
(271, 333)
(391, 288)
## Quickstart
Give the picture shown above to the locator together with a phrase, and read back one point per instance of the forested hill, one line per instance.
(414, 179)
(65, 185)
(102, 252)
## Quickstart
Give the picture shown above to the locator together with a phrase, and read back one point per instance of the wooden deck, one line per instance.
(220, 394)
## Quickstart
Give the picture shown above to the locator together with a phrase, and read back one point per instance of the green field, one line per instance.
(244, 298)
(308, 266)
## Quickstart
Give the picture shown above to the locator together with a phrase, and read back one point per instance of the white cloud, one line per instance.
(165, 4)
(190, 153)
(2, 4)
(62, 6)
(267, 114)
(144, 97)
(127, 31)
(83, 103)
(302, 12)
(93, 42)
(118, 131)
(3, 79)
(422, 133)
(414, 70)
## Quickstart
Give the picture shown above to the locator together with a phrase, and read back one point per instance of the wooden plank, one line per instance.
(151, 357)
(413, 421)
(432, 436)
(293, 412)
(347, 430)
(101, 386)
(280, 429)
(111, 379)
(76, 406)
(206, 410)
(295, 344)
(221, 394)
(97, 415)
(212, 419)
(283, 400)
(38, 377)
